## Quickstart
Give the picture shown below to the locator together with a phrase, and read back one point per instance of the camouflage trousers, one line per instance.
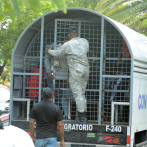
(78, 82)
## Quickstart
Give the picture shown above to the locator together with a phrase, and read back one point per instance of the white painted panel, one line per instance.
(139, 104)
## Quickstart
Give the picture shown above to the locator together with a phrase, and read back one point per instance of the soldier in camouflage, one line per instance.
(75, 51)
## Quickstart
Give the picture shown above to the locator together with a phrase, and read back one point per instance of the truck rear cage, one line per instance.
(115, 77)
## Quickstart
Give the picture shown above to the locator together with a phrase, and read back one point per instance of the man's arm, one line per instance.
(61, 132)
(60, 51)
(32, 123)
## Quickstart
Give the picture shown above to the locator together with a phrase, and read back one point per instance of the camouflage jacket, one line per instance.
(75, 51)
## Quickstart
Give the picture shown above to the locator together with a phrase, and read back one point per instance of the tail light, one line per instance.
(108, 139)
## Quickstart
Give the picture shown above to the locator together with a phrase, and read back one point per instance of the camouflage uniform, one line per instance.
(75, 51)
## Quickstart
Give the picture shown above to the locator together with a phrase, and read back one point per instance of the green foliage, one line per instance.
(21, 13)
(14, 8)
(90, 4)
(129, 14)
(104, 5)
(5, 76)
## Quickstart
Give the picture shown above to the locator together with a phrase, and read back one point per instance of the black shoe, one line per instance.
(82, 118)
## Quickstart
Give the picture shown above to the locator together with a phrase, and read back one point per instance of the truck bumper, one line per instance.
(72, 144)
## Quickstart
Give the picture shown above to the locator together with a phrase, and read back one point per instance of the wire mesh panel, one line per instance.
(32, 58)
(18, 63)
(116, 79)
(62, 29)
(63, 94)
(115, 70)
(116, 53)
(92, 32)
(30, 66)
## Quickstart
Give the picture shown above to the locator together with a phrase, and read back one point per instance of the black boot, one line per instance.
(82, 118)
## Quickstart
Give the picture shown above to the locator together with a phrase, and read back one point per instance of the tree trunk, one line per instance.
(2, 68)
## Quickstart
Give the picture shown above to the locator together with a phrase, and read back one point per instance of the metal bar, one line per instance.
(117, 58)
(116, 90)
(55, 36)
(31, 87)
(121, 112)
(19, 73)
(11, 87)
(94, 58)
(21, 99)
(112, 113)
(24, 86)
(74, 20)
(115, 76)
(101, 65)
(18, 56)
(41, 54)
(31, 57)
(116, 115)
(104, 67)
(79, 29)
(69, 109)
(55, 44)
(24, 76)
(28, 109)
(96, 90)
(121, 103)
(112, 109)
(122, 123)
(34, 28)
(131, 91)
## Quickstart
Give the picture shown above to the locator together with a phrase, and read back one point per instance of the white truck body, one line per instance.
(111, 88)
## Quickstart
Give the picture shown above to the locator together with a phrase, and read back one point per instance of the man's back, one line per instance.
(77, 52)
(47, 114)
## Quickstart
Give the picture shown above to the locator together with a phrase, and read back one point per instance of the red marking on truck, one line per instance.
(136, 130)
(107, 137)
(4, 118)
(128, 136)
(128, 140)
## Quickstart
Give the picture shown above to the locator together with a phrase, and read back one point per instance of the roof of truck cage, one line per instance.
(136, 42)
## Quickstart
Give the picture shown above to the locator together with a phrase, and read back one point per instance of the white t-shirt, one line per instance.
(12, 136)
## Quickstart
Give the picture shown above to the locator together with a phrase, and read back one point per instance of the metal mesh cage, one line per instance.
(115, 69)
(92, 32)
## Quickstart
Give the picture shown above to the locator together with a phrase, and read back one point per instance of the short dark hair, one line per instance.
(73, 31)
(47, 93)
(73, 34)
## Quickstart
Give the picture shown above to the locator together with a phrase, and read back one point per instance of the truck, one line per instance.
(4, 105)
(116, 90)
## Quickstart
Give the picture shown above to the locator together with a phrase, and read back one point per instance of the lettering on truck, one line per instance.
(81, 127)
(142, 99)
